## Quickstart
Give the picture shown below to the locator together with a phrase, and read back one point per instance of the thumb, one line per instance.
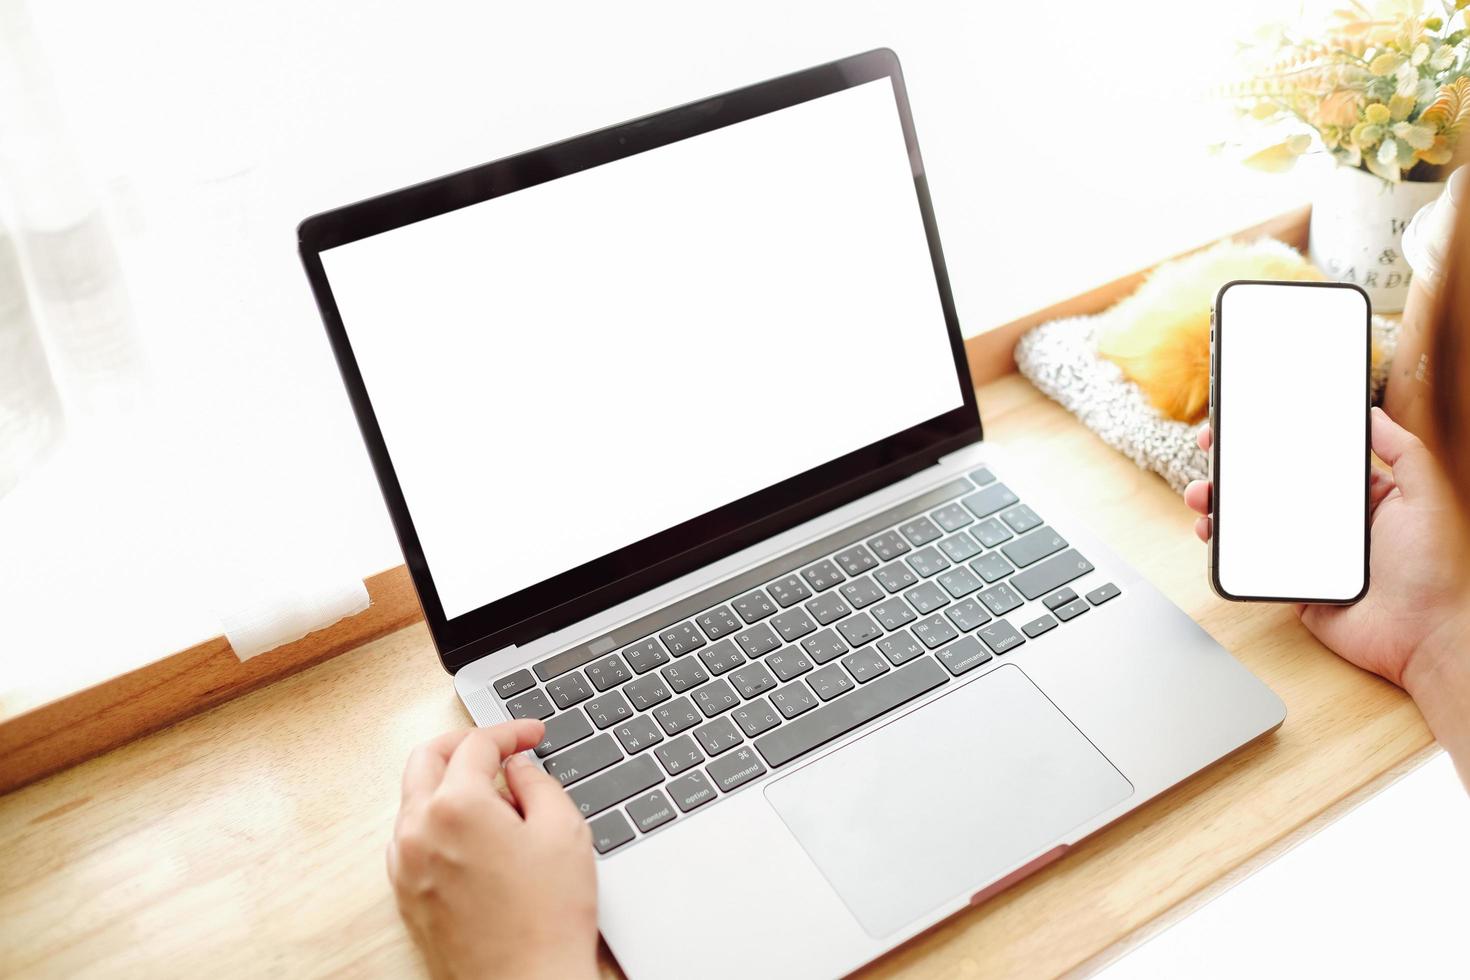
(1396, 446)
(537, 793)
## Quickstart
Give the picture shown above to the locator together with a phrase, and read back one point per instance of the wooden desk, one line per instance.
(249, 840)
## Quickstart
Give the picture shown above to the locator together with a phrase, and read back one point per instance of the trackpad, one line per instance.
(946, 799)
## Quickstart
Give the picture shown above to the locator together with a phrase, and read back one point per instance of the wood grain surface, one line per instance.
(248, 840)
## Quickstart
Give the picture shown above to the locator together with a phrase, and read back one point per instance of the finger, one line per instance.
(538, 794)
(1394, 444)
(477, 759)
(1202, 528)
(1205, 438)
(1380, 485)
(1197, 496)
(424, 770)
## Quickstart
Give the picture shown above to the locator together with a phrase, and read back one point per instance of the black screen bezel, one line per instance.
(578, 592)
(1216, 346)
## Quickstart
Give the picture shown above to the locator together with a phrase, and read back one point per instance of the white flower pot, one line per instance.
(1357, 222)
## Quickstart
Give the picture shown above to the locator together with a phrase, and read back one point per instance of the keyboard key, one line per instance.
(952, 517)
(967, 615)
(821, 726)
(829, 682)
(1103, 593)
(676, 716)
(563, 730)
(1030, 549)
(789, 663)
(900, 647)
(609, 709)
(859, 630)
(1071, 610)
(793, 624)
(754, 606)
(758, 641)
(608, 672)
(1060, 598)
(824, 646)
(992, 567)
(584, 760)
(1021, 518)
(959, 582)
(828, 608)
(1051, 574)
(638, 734)
(512, 684)
(982, 476)
(756, 717)
(985, 502)
(794, 699)
(691, 791)
(862, 592)
(532, 704)
(646, 692)
(991, 533)
(888, 545)
(717, 736)
(856, 560)
(959, 547)
(934, 631)
(569, 689)
(752, 679)
(893, 614)
(962, 655)
(610, 831)
(1038, 626)
(650, 811)
(789, 590)
(895, 577)
(723, 656)
(1000, 636)
(927, 597)
(927, 561)
(823, 575)
(717, 622)
(682, 638)
(612, 787)
(1000, 599)
(684, 674)
(735, 770)
(920, 531)
(679, 754)
(645, 656)
(865, 664)
(716, 696)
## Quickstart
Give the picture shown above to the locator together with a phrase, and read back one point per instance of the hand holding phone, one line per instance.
(1290, 457)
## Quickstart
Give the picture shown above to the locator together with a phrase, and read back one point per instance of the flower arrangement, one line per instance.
(1384, 89)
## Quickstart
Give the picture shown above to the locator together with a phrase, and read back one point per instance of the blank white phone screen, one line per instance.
(567, 369)
(1290, 484)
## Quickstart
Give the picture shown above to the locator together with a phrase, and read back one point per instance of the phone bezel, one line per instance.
(1217, 332)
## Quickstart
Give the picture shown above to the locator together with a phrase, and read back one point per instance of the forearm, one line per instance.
(1438, 678)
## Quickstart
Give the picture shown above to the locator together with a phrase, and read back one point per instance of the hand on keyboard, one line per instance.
(491, 883)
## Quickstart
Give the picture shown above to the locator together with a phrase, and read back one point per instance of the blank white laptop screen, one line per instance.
(572, 367)
(1293, 403)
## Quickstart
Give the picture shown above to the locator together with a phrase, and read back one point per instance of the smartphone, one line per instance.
(1289, 388)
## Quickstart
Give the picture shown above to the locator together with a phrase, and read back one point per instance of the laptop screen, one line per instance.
(572, 367)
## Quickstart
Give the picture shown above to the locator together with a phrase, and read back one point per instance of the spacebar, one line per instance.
(846, 713)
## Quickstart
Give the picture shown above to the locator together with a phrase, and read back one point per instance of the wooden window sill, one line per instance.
(41, 740)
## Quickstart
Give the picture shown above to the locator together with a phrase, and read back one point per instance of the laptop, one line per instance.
(675, 427)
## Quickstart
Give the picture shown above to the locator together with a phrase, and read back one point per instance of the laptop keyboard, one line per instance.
(653, 731)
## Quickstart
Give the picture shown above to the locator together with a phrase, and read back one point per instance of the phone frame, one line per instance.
(1217, 332)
